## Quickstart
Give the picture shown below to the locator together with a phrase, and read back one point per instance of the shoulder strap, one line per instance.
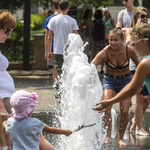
(127, 51)
(106, 54)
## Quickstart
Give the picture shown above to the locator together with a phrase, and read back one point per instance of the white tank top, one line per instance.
(7, 87)
(126, 18)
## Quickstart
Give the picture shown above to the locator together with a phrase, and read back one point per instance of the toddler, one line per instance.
(24, 130)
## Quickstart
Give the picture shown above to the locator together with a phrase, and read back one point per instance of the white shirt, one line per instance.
(61, 25)
(7, 87)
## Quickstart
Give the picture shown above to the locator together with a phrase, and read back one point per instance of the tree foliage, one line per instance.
(15, 4)
(94, 3)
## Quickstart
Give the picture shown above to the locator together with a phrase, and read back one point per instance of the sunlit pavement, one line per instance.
(40, 81)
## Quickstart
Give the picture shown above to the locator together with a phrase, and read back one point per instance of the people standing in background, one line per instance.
(125, 16)
(109, 23)
(86, 27)
(49, 62)
(98, 35)
(60, 26)
(140, 16)
(50, 12)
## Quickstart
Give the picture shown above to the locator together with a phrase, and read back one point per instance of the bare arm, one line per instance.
(138, 79)
(127, 35)
(48, 53)
(113, 23)
(54, 130)
(119, 20)
(99, 57)
(133, 56)
(3, 111)
(130, 89)
(82, 25)
(75, 31)
(46, 40)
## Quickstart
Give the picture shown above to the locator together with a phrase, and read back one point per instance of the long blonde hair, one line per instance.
(136, 13)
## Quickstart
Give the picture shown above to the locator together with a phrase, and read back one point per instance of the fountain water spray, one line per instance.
(80, 90)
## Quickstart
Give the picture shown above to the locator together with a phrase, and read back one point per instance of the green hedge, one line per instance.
(38, 21)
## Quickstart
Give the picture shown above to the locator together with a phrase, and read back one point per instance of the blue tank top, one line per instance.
(147, 80)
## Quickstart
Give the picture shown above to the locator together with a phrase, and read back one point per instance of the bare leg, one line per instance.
(2, 135)
(54, 74)
(139, 109)
(44, 144)
(107, 94)
(124, 118)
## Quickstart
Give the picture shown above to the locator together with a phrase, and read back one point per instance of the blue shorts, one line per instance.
(116, 85)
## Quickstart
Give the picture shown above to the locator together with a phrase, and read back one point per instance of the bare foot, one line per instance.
(133, 126)
(142, 132)
(107, 141)
(122, 143)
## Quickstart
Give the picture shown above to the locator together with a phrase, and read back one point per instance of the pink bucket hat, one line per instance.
(23, 103)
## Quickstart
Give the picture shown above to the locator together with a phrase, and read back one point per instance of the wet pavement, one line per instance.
(40, 81)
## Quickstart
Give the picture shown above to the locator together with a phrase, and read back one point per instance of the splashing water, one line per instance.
(80, 90)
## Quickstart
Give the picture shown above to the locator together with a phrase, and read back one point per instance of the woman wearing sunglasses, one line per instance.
(117, 75)
(140, 16)
(7, 88)
(140, 39)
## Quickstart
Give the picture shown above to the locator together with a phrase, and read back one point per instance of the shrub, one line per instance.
(38, 21)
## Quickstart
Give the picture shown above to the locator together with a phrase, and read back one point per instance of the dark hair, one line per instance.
(86, 13)
(98, 14)
(63, 4)
(50, 12)
(117, 31)
(56, 4)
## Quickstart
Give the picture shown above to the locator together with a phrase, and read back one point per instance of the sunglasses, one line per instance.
(124, 0)
(132, 43)
(7, 32)
(144, 16)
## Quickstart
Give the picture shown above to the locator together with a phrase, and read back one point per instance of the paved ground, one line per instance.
(40, 81)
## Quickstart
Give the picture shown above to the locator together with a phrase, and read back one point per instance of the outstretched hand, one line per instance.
(68, 132)
(102, 106)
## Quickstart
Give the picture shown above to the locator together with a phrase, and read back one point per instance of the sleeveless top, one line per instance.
(7, 87)
(98, 30)
(112, 66)
(126, 18)
(108, 24)
(147, 80)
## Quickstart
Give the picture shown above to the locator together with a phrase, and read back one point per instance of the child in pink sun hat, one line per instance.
(24, 130)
